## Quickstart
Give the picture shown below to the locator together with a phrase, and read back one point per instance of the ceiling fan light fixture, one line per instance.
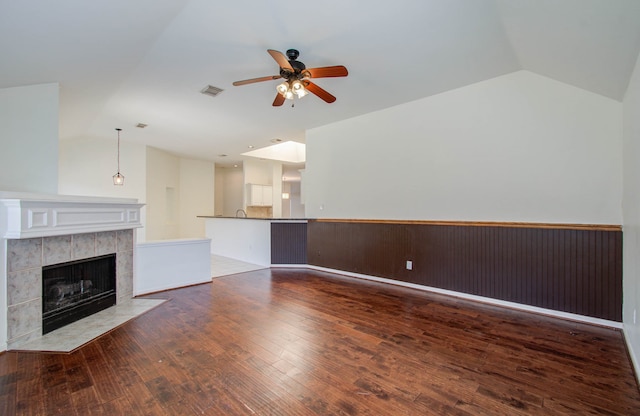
(292, 89)
(282, 88)
(296, 85)
(298, 88)
(296, 78)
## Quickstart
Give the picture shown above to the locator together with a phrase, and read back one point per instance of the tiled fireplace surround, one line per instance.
(38, 230)
(26, 257)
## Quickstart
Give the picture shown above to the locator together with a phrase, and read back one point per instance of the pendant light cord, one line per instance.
(119, 130)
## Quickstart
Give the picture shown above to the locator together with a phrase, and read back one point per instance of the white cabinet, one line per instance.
(259, 195)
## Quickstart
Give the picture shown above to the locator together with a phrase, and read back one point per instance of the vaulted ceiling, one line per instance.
(123, 62)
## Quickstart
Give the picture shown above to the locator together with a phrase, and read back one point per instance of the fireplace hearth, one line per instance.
(74, 290)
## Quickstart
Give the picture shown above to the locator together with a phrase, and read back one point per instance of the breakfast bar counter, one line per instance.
(261, 241)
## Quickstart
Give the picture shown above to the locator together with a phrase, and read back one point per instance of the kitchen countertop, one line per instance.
(255, 218)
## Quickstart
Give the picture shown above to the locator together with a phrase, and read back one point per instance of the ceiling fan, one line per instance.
(297, 77)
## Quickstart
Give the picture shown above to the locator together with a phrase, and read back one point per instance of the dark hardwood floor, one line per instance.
(300, 342)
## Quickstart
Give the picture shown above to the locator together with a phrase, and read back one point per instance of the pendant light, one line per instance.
(118, 179)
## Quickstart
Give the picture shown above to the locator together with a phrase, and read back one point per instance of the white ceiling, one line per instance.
(121, 62)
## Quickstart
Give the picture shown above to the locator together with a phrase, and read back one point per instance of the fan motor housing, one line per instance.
(298, 67)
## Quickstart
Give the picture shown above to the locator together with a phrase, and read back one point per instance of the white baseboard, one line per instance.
(632, 355)
(491, 301)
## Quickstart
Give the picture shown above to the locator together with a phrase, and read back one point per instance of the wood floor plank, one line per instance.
(167, 396)
(142, 401)
(30, 398)
(99, 366)
(303, 342)
(8, 383)
(86, 401)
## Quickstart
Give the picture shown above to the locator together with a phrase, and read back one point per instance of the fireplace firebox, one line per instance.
(77, 289)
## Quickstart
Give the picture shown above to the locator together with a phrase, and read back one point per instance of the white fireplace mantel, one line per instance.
(35, 215)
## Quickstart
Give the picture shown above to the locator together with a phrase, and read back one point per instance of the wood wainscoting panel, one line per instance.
(575, 270)
(288, 243)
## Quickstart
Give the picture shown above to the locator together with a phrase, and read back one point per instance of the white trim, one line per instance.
(32, 218)
(491, 301)
(632, 356)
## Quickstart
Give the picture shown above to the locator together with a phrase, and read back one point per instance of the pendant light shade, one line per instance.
(118, 178)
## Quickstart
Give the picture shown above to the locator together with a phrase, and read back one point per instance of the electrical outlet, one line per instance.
(409, 265)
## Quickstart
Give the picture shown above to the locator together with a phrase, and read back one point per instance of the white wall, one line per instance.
(87, 165)
(28, 156)
(295, 203)
(197, 184)
(178, 190)
(258, 171)
(520, 147)
(219, 196)
(163, 193)
(233, 192)
(29, 138)
(286, 203)
(3, 287)
(631, 218)
(229, 191)
(245, 240)
(276, 184)
(168, 264)
(265, 172)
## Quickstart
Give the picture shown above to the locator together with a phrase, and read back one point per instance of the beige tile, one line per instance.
(24, 318)
(83, 246)
(24, 285)
(78, 333)
(24, 254)
(125, 240)
(56, 249)
(224, 266)
(124, 271)
(106, 242)
(25, 338)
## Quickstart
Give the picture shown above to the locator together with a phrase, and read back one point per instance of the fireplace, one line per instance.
(38, 231)
(77, 289)
(29, 260)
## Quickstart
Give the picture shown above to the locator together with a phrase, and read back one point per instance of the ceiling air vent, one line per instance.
(211, 90)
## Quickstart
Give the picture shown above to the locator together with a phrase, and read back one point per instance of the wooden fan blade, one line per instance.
(328, 71)
(279, 100)
(252, 80)
(282, 60)
(314, 89)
